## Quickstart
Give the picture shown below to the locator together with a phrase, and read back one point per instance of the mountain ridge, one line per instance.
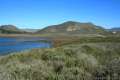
(115, 29)
(6, 29)
(72, 26)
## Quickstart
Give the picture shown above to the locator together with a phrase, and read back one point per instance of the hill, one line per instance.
(73, 27)
(115, 29)
(30, 30)
(10, 29)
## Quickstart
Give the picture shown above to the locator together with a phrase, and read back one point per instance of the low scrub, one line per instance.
(73, 62)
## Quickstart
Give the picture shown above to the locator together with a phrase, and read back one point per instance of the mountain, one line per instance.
(115, 29)
(10, 29)
(73, 27)
(30, 30)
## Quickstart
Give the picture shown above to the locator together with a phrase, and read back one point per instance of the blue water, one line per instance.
(9, 45)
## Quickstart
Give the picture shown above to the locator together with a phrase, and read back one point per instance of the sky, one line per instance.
(37, 14)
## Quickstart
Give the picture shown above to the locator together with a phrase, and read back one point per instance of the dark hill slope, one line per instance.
(10, 29)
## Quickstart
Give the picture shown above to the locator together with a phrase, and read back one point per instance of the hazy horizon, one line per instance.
(37, 14)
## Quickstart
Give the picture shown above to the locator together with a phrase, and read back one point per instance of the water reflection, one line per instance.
(8, 45)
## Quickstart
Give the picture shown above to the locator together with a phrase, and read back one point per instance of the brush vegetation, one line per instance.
(81, 61)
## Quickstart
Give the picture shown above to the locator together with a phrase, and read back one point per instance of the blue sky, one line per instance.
(41, 13)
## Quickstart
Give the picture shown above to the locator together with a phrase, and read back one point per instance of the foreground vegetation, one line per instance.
(83, 61)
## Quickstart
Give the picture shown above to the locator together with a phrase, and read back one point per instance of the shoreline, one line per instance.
(16, 35)
(27, 36)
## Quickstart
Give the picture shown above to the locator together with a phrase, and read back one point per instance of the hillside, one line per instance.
(73, 27)
(10, 29)
(30, 30)
(115, 29)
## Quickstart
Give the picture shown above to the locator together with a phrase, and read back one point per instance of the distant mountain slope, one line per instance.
(115, 29)
(30, 30)
(10, 29)
(72, 27)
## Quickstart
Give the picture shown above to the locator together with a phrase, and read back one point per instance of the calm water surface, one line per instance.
(9, 45)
